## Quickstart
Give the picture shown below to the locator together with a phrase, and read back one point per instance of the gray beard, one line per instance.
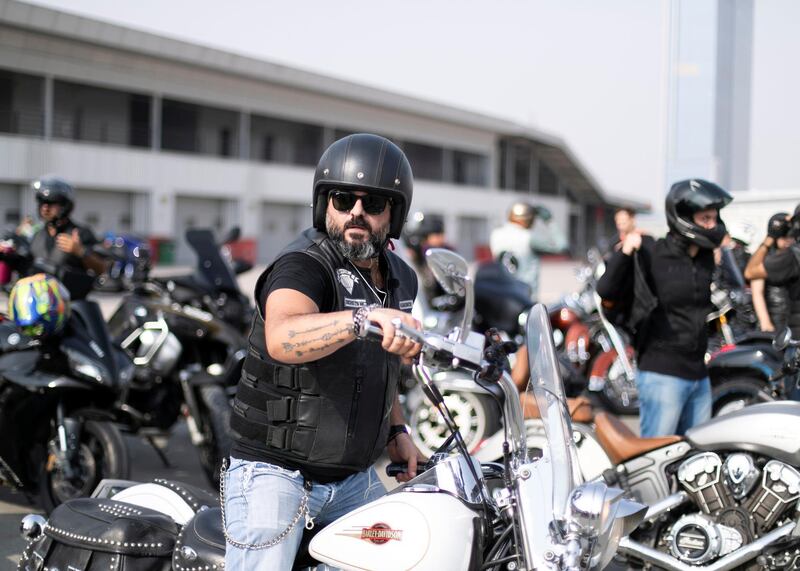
(357, 251)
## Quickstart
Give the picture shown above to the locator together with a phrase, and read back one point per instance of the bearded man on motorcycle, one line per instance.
(316, 404)
(61, 242)
(674, 274)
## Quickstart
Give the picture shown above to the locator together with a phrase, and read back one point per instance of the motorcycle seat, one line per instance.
(580, 408)
(620, 442)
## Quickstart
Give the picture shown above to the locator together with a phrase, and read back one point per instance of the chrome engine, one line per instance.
(739, 502)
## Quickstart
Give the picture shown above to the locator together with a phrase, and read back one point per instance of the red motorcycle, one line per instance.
(598, 349)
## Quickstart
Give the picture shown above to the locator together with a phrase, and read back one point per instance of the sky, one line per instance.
(589, 72)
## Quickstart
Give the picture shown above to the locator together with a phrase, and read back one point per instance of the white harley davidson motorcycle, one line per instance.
(540, 516)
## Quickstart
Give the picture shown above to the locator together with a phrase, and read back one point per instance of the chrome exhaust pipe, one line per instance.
(745, 553)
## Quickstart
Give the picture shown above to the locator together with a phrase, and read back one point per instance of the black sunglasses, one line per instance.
(371, 203)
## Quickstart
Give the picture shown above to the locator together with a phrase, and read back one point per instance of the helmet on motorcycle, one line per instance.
(684, 200)
(365, 162)
(54, 190)
(39, 305)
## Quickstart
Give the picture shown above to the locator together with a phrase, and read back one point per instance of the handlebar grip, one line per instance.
(374, 332)
(396, 468)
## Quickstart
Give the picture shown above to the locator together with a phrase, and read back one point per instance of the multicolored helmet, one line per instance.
(39, 305)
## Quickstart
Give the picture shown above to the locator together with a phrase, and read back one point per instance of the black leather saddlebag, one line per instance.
(201, 543)
(91, 534)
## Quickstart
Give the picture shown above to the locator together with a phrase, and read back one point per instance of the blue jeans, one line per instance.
(262, 499)
(671, 405)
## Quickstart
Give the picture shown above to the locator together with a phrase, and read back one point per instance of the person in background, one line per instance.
(61, 242)
(771, 302)
(422, 232)
(518, 243)
(675, 277)
(780, 266)
(625, 222)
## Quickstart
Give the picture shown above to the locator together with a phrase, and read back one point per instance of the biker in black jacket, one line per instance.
(674, 389)
(317, 404)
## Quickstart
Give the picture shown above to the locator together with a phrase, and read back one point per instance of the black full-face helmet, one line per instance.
(369, 163)
(52, 189)
(688, 197)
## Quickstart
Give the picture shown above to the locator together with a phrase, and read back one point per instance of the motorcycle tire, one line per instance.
(215, 425)
(477, 416)
(103, 454)
(737, 393)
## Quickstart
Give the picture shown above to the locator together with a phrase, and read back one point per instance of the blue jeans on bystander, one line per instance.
(671, 405)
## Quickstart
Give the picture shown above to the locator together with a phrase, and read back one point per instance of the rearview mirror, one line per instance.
(452, 273)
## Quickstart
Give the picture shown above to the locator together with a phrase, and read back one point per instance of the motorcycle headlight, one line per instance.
(85, 367)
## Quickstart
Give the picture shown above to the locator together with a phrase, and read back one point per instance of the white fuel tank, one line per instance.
(405, 530)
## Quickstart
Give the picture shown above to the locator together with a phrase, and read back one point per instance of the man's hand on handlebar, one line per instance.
(394, 341)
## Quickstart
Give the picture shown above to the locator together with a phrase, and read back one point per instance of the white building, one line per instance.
(160, 135)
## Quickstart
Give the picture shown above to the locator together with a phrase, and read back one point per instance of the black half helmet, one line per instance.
(55, 190)
(687, 197)
(365, 162)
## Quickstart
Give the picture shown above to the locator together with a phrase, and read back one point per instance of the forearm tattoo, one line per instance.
(335, 335)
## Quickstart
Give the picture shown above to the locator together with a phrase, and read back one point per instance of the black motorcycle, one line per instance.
(188, 359)
(753, 371)
(59, 400)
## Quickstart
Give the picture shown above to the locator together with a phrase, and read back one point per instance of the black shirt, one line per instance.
(782, 267)
(676, 336)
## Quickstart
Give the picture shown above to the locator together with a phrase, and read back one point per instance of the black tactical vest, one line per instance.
(333, 413)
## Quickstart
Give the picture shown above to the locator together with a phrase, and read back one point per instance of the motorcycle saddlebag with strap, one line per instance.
(91, 534)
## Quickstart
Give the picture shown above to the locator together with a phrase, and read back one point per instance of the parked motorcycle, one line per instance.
(188, 360)
(719, 497)
(753, 371)
(212, 287)
(59, 401)
(541, 517)
(601, 351)
(129, 262)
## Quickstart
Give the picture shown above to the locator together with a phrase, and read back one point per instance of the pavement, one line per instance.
(558, 278)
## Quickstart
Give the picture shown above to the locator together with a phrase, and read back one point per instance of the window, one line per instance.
(548, 181)
(199, 128)
(426, 161)
(21, 104)
(470, 168)
(521, 167)
(96, 114)
(282, 141)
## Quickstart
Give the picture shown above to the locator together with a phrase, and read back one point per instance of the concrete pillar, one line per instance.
(155, 123)
(244, 135)
(47, 105)
(448, 172)
(534, 182)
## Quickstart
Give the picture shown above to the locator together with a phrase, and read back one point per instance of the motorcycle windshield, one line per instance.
(547, 388)
(211, 266)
